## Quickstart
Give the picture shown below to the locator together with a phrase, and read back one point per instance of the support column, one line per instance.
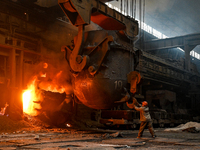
(20, 86)
(12, 90)
(15, 102)
(21, 65)
(187, 57)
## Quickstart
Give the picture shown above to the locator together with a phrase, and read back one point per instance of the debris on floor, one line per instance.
(113, 135)
(36, 137)
(33, 134)
(193, 127)
(8, 125)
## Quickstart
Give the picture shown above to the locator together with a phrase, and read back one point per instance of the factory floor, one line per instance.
(72, 138)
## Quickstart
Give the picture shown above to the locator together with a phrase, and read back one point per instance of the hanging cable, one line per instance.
(132, 8)
(133, 5)
(127, 7)
(142, 20)
(130, 55)
(143, 23)
(134, 16)
(135, 10)
(121, 6)
(124, 7)
(140, 31)
(133, 45)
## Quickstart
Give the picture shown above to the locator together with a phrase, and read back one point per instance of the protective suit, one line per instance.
(145, 119)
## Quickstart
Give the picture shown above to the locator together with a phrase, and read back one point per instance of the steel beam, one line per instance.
(191, 40)
(81, 12)
(187, 43)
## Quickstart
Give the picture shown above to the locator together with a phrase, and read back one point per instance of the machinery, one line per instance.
(102, 62)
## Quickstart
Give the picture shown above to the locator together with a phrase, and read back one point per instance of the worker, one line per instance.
(145, 119)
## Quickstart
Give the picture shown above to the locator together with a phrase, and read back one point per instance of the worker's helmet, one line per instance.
(144, 103)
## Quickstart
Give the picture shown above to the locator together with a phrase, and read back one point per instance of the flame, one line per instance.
(29, 97)
(27, 100)
(54, 88)
(59, 73)
(68, 125)
(45, 65)
(54, 85)
(3, 110)
(44, 75)
(51, 81)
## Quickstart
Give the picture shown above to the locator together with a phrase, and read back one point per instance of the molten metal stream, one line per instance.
(28, 97)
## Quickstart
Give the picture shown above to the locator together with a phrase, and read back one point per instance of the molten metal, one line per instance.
(28, 97)
(26, 100)
(68, 125)
(31, 96)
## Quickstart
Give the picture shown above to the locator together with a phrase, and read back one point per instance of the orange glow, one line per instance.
(45, 65)
(3, 110)
(26, 100)
(59, 73)
(68, 125)
(43, 75)
(54, 85)
(29, 96)
(53, 88)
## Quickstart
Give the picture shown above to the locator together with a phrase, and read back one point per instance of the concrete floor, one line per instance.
(97, 139)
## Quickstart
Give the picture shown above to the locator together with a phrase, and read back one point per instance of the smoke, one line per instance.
(57, 77)
(158, 5)
(53, 74)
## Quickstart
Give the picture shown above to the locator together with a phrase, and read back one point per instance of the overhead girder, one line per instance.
(187, 43)
(191, 40)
